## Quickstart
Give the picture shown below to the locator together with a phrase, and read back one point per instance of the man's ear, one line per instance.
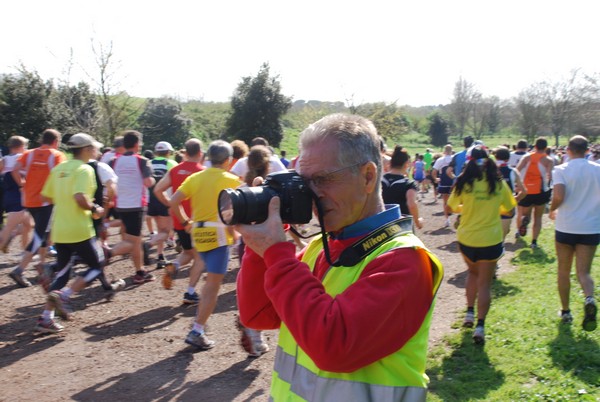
(369, 173)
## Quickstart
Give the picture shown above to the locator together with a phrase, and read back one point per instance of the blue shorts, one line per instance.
(444, 189)
(216, 260)
(573, 239)
(490, 253)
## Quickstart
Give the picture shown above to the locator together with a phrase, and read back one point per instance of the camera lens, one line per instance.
(244, 205)
(229, 202)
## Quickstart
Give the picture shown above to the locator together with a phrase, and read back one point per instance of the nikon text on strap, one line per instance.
(365, 246)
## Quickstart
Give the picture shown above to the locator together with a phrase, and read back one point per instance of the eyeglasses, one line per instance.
(323, 179)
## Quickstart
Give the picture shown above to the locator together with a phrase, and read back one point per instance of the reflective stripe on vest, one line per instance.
(398, 376)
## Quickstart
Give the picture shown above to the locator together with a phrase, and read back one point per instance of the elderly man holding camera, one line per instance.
(354, 307)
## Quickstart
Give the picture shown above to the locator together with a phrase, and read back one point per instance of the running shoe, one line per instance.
(62, 304)
(252, 342)
(19, 279)
(169, 243)
(469, 320)
(566, 317)
(52, 251)
(47, 327)
(590, 310)
(479, 335)
(523, 227)
(161, 263)
(169, 275)
(199, 340)
(191, 299)
(143, 277)
(146, 252)
(447, 224)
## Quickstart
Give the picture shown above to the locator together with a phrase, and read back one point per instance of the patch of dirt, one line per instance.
(132, 348)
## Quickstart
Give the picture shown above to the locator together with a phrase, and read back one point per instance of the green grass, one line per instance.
(529, 355)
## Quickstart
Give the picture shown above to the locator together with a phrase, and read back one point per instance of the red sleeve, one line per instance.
(256, 309)
(373, 318)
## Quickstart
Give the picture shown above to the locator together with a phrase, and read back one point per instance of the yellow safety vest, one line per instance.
(399, 376)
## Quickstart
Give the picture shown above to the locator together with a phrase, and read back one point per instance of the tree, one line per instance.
(563, 98)
(257, 107)
(118, 108)
(439, 129)
(75, 109)
(162, 119)
(484, 115)
(533, 116)
(24, 105)
(389, 119)
(462, 104)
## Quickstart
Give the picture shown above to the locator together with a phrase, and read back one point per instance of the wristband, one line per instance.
(185, 223)
(94, 208)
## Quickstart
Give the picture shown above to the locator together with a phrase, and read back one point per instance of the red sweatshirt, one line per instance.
(371, 319)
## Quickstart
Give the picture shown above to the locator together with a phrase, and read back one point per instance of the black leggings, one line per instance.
(41, 219)
(88, 250)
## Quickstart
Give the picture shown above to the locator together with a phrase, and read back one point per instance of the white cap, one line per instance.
(163, 146)
(81, 140)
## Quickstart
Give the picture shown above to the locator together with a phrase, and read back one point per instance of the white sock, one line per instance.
(47, 315)
(191, 290)
(67, 292)
(199, 328)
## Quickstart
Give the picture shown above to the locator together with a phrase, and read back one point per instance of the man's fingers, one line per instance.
(274, 206)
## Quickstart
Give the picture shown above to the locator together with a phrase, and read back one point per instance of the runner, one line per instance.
(440, 176)
(134, 177)
(158, 211)
(71, 188)
(513, 179)
(36, 163)
(536, 170)
(18, 220)
(480, 194)
(211, 238)
(575, 205)
(172, 181)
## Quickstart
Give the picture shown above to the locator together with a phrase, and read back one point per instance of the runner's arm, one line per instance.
(178, 211)
(160, 190)
(16, 174)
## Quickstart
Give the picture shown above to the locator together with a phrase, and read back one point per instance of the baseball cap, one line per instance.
(163, 146)
(81, 140)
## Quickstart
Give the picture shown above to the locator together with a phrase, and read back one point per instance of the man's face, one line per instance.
(342, 193)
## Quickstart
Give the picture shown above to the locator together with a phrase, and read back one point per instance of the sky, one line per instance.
(408, 52)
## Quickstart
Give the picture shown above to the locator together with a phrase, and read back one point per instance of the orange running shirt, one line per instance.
(37, 164)
(535, 175)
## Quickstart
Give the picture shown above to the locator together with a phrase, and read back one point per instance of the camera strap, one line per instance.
(365, 246)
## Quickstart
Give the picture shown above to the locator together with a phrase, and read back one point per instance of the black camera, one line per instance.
(251, 204)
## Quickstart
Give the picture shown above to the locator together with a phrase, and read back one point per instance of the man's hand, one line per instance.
(98, 212)
(552, 214)
(261, 236)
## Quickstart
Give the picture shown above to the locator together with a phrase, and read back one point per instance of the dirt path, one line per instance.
(132, 348)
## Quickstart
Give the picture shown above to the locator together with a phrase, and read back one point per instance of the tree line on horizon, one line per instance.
(30, 104)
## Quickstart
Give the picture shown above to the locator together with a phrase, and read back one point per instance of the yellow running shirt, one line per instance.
(480, 224)
(71, 223)
(203, 188)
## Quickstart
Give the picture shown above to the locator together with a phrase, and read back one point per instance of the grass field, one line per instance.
(529, 354)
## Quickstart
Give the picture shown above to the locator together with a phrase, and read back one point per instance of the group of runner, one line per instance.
(487, 188)
(120, 188)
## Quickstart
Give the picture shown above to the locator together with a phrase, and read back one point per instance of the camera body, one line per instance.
(251, 204)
